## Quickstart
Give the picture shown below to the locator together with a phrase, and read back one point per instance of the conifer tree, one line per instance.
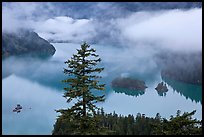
(179, 125)
(83, 79)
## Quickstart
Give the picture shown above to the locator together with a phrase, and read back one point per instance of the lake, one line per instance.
(36, 85)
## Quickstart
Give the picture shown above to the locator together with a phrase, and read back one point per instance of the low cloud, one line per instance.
(25, 15)
(66, 29)
(178, 30)
(174, 29)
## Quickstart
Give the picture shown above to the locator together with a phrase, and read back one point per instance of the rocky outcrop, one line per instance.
(131, 84)
(161, 87)
(25, 42)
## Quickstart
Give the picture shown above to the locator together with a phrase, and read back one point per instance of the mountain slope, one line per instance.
(25, 42)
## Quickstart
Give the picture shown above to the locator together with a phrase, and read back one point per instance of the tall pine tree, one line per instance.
(83, 79)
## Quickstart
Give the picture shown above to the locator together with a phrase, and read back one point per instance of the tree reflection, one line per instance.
(193, 92)
(129, 92)
(161, 93)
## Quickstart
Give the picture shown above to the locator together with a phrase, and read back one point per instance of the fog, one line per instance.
(116, 61)
(128, 42)
(46, 72)
(70, 29)
(138, 37)
(175, 29)
(132, 42)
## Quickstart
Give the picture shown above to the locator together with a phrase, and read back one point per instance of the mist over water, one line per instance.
(40, 88)
(130, 44)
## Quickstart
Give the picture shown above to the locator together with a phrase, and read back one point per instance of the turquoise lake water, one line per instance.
(35, 84)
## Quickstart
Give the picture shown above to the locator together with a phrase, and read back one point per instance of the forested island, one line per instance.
(161, 87)
(129, 83)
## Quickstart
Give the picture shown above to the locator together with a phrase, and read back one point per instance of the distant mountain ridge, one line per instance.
(185, 67)
(82, 9)
(25, 42)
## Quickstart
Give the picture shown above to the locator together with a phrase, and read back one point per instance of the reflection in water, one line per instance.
(43, 71)
(194, 92)
(161, 93)
(129, 92)
(39, 119)
(38, 83)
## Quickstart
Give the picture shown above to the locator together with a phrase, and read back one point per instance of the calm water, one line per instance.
(35, 84)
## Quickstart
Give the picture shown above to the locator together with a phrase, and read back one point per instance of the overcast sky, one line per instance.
(176, 29)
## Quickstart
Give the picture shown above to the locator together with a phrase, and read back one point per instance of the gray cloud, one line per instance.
(161, 29)
(25, 15)
(174, 29)
(67, 29)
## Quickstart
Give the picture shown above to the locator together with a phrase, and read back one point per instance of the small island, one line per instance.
(161, 87)
(129, 83)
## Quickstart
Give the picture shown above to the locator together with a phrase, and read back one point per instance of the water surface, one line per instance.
(36, 84)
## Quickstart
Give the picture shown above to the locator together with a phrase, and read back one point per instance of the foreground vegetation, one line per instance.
(85, 118)
(114, 124)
